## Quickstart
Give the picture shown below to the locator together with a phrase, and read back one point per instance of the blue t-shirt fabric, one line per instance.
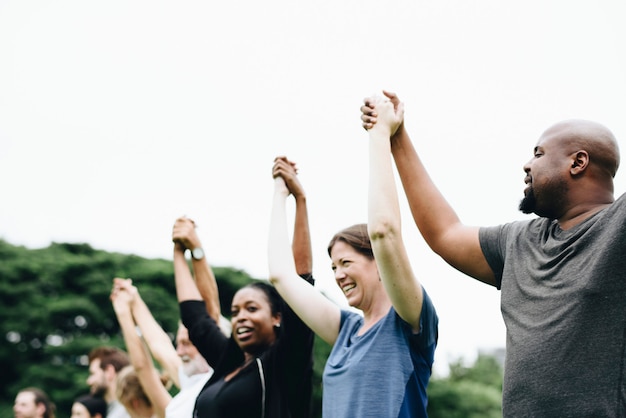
(385, 371)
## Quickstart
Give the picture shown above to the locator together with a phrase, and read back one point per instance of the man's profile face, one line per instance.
(96, 379)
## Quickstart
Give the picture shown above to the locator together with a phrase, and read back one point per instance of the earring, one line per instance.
(277, 325)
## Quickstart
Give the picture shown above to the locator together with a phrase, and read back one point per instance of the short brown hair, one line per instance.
(110, 356)
(355, 236)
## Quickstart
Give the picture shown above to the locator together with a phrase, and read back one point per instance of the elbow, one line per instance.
(382, 229)
(275, 277)
(274, 280)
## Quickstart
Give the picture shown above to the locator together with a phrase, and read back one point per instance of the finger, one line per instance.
(393, 97)
(400, 110)
(390, 95)
(370, 102)
(368, 119)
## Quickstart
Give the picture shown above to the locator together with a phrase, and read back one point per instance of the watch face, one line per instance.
(197, 253)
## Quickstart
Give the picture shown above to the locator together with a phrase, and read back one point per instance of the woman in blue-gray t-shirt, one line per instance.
(381, 359)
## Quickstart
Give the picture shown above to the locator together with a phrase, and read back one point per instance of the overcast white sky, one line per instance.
(117, 117)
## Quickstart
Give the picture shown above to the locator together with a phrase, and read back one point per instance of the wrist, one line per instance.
(380, 131)
(399, 132)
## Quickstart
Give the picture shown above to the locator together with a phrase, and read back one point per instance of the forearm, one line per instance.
(383, 206)
(280, 256)
(433, 215)
(207, 286)
(156, 338)
(136, 351)
(301, 245)
(186, 288)
(437, 221)
(142, 363)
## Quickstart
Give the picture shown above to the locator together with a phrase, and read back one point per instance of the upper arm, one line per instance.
(460, 247)
(402, 287)
(317, 311)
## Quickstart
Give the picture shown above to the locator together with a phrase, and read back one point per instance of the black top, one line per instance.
(282, 377)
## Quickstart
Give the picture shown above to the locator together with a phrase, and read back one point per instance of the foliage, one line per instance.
(468, 392)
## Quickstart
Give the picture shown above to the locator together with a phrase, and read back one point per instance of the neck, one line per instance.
(377, 311)
(579, 214)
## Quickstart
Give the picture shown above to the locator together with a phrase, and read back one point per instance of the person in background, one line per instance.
(33, 402)
(137, 400)
(562, 274)
(104, 364)
(140, 387)
(265, 368)
(188, 370)
(89, 406)
(381, 359)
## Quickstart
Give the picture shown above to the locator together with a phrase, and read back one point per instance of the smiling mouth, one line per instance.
(348, 288)
(243, 332)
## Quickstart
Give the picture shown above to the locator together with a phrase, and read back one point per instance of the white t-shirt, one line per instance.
(182, 405)
(116, 410)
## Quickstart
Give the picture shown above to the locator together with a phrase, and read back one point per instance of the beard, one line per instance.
(549, 203)
(195, 365)
(528, 203)
(98, 390)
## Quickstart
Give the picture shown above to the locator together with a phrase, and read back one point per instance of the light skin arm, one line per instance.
(158, 341)
(384, 226)
(437, 221)
(317, 311)
(185, 237)
(140, 359)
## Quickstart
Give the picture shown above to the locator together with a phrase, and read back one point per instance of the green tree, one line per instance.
(468, 392)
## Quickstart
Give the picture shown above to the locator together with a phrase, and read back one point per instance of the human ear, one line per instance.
(277, 320)
(580, 162)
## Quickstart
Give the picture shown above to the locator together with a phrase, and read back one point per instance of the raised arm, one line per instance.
(301, 243)
(156, 338)
(185, 237)
(437, 221)
(123, 298)
(318, 312)
(384, 226)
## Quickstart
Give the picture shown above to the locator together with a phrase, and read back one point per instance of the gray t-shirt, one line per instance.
(563, 301)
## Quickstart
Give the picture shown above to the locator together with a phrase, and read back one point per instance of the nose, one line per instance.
(339, 274)
(238, 317)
